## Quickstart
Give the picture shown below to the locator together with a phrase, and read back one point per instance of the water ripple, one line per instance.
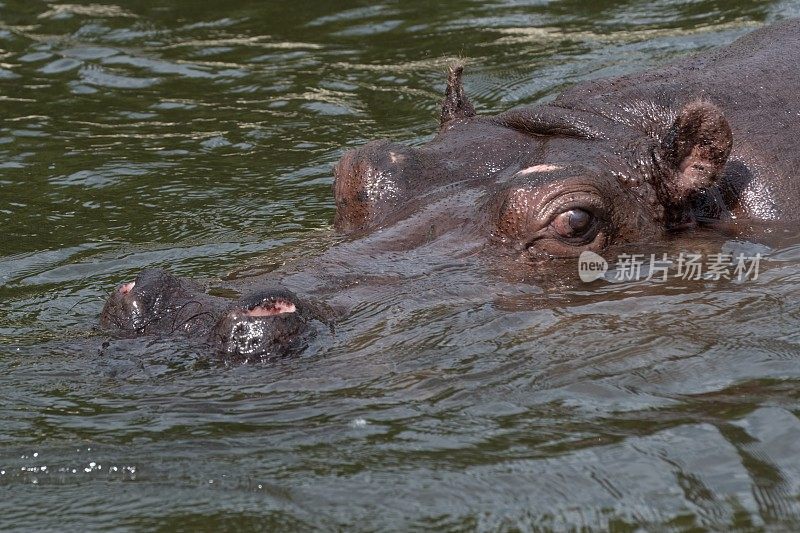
(200, 138)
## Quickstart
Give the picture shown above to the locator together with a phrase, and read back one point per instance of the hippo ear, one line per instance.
(695, 149)
(456, 104)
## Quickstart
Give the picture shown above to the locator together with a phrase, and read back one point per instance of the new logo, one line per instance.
(591, 266)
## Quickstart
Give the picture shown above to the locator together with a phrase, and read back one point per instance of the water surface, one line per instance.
(199, 137)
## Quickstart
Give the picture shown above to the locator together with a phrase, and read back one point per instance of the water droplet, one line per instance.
(358, 423)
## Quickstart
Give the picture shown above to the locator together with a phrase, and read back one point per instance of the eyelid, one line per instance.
(574, 200)
(527, 213)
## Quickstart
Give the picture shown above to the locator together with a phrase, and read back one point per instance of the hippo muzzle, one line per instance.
(267, 324)
(156, 302)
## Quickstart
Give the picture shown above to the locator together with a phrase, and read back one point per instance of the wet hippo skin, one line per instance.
(625, 160)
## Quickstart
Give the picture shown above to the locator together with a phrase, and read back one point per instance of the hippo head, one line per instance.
(545, 181)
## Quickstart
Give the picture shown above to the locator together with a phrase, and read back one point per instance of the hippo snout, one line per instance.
(156, 301)
(370, 181)
(271, 323)
(265, 324)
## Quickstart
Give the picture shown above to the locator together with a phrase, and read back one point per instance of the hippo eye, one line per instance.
(573, 224)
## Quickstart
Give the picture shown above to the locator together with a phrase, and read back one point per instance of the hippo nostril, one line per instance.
(278, 306)
(126, 288)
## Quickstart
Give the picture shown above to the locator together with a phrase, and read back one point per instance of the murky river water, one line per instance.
(199, 137)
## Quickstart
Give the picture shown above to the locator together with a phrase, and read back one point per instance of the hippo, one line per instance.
(630, 160)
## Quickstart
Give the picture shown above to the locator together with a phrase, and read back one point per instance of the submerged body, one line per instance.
(612, 162)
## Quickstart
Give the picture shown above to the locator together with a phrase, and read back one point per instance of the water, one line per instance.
(200, 137)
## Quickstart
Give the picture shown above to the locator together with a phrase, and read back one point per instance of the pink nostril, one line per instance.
(125, 288)
(277, 307)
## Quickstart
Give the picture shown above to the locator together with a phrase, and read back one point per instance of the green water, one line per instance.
(200, 137)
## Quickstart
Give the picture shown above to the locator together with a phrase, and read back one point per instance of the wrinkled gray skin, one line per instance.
(626, 160)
